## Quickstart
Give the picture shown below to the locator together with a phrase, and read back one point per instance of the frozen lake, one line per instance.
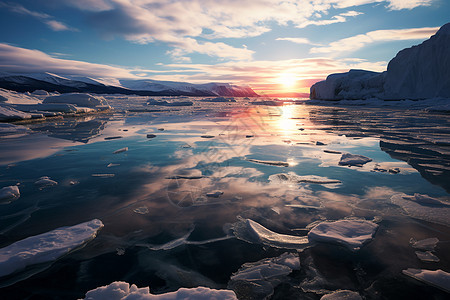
(173, 185)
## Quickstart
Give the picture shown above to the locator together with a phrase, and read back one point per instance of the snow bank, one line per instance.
(46, 247)
(78, 99)
(352, 234)
(120, 290)
(342, 295)
(9, 194)
(419, 72)
(253, 232)
(259, 279)
(434, 213)
(438, 278)
(348, 159)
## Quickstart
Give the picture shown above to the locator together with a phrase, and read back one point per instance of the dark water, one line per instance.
(145, 204)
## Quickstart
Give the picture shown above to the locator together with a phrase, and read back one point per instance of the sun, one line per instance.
(288, 80)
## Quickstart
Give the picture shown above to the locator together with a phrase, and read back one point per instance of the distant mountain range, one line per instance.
(143, 87)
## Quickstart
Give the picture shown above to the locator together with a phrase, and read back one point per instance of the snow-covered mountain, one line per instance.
(145, 87)
(419, 72)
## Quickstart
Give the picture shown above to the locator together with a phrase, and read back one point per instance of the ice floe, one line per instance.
(348, 159)
(46, 247)
(151, 136)
(120, 290)
(219, 99)
(257, 280)
(141, 210)
(121, 150)
(342, 295)
(78, 99)
(206, 136)
(166, 103)
(11, 114)
(424, 245)
(106, 175)
(427, 256)
(291, 177)
(352, 233)
(44, 182)
(9, 194)
(113, 137)
(215, 194)
(437, 278)
(269, 162)
(253, 232)
(437, 212)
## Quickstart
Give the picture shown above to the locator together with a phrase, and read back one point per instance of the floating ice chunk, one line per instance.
(103, 175)
(342, 295)
(432, 213)
(332, 151)
(9, 194)
(215, 194)
(120, 290)
(253, 232)
(269, 162)
(350, 233)
(151, 136)
(141, 210)
(121, 150)
(112, 165)
(438, 278)
(426, 200)
(207, 136)
(45, 181)
(291, 177)
(46, 247)
(348, 159)
(166, 103)
(424, 245)
(84, 100)
(172, 244)
(259, 279)
(10, 114)
(219, 99)
(113, 137)
(427, 256)
(187, 174)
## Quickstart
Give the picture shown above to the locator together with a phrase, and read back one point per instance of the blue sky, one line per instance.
(272, 45)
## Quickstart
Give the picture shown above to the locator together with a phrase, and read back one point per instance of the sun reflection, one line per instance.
(286, 123)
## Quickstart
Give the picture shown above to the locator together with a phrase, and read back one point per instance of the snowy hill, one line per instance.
(419, 72)
(145, 87)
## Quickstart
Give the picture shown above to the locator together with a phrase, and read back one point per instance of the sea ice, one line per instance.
(166, 103)
(348, 159)
(253, 232)
(207, 136)
(11, 114)
(342, 295)
(150, 136)
(46, 247)
(427, 256)
(427, 200)
(9, 194)
(219, 99)
(435, 213)
(332, 151)
(78, 99)
(141, 210)
(121, 150)
(269, 162)
(438, 278)
(120, 290)
(45, 181)
(352, 234)
(103, 175)
(291, 177)
(424, 245)
(12, 129)
(259, 279)
(215, 194)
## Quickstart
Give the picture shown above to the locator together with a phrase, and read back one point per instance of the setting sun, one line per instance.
(288, 80)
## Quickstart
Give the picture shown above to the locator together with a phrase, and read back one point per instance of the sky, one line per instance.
(274, 46)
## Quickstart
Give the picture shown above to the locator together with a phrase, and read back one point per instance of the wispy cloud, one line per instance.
(335, 19)
(359, 41)
(44, 18)
(297, 40)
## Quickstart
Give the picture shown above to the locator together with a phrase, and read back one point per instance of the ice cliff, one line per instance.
(419, 72)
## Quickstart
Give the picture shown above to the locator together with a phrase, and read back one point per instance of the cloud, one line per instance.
(335, 19)
(359, 41)
(44, 18)
(178, 23)
(296, 40)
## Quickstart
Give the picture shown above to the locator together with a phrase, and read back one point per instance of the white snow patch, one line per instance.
(438, 278)
(46, 247)
(120, 290)
(352, 234)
